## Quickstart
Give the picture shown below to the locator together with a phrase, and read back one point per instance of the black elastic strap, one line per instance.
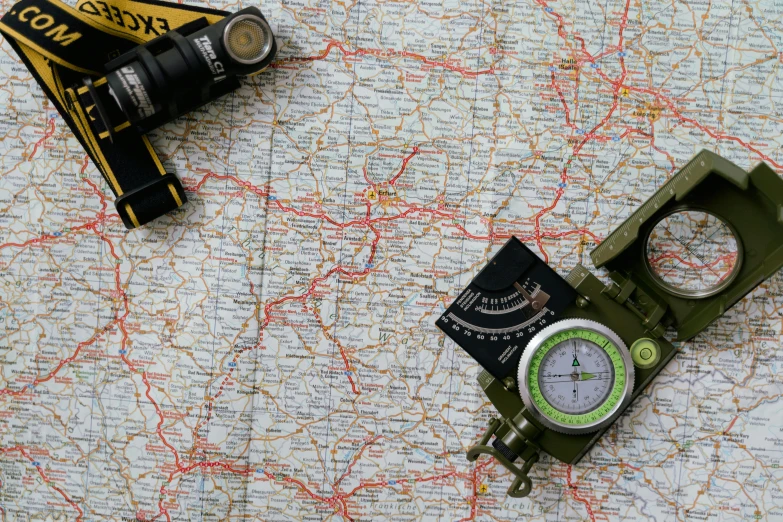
(61, 46)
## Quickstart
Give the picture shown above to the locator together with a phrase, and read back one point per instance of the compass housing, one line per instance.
(599, 417)
(497, 319)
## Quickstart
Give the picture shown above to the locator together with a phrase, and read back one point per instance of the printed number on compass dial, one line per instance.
(576, 376)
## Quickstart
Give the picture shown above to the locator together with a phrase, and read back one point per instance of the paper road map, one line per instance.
(268, 351)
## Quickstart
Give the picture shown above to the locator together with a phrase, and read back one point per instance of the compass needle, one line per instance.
(567, 345)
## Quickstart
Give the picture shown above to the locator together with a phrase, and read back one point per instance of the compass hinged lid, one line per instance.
(705, 239)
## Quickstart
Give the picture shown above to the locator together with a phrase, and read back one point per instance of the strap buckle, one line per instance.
(142, 204)
(102, 114)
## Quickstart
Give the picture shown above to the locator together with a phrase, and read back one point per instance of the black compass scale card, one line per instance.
(511, 299)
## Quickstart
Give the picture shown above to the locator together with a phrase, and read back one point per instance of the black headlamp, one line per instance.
(111, 106)
(183, 69)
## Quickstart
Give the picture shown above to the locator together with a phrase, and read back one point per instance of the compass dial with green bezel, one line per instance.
(576, 376)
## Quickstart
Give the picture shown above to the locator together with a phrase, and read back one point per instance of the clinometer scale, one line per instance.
(564, 357)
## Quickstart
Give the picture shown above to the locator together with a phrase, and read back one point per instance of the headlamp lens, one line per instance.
(248, 39)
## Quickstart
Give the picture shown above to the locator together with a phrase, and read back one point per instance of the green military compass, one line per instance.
(563, 358)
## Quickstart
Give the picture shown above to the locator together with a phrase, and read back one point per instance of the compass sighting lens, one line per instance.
(693, 253)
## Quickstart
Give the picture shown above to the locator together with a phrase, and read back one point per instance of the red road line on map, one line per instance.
(47, 134)
(85, 163)
(338, 499)
(574, 488)
(473, 499)
(120, 322)
(589, 135)
(367, 179)
(159, 427)
(708, 131)
(68, 360)
(592, 58)
(366, 222)
(707, 266)
(98, 192)
(670, 104)
(46, 479)
(63, 362)
(386, 483)
(123, 356)
(379, 53)
(731, 425)
(556, 87)
(303, 297)
(713, 134)
(50, 237)
(264, 194)
(651, 137)
(404, 164)
(356, 458)
(123, 346)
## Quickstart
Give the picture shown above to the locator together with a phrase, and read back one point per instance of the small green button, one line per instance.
(645, 353)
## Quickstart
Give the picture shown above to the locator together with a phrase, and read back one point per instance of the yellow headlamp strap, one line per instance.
(61, 46)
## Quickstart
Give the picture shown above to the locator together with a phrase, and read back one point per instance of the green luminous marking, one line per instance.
(611, 401)
(645, 353)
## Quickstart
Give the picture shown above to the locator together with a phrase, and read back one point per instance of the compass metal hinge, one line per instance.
(513, 441)
(647, 308)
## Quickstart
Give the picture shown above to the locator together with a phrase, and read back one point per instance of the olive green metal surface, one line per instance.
(636, 308)
(601, 308)
(752, 203)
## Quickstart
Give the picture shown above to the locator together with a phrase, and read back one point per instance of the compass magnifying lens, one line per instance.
(577, 376)
(693, 253)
